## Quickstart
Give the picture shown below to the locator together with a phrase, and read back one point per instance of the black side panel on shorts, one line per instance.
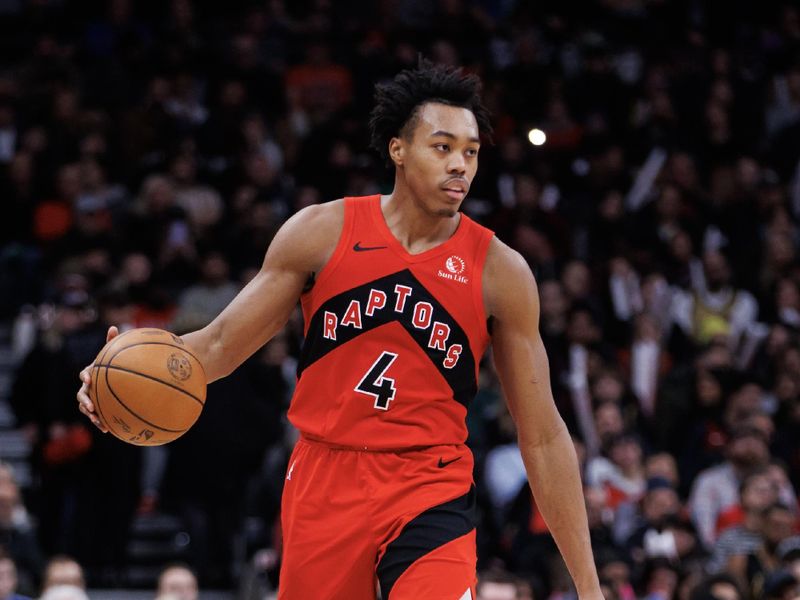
(426, 532)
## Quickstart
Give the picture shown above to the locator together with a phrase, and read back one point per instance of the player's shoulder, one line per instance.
(308, 238)
(507, 279)
(504, 263)
(316, 222)
(321, 215)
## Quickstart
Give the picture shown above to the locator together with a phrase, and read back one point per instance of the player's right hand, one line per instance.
(85, 403)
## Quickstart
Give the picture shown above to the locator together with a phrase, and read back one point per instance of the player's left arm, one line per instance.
(512, 300)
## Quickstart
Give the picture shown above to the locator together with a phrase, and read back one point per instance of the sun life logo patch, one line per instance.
(454, 268)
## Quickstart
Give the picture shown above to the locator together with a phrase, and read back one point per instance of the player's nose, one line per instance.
(457, 163)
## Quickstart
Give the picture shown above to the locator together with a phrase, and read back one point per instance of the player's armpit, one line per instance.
(301, 247)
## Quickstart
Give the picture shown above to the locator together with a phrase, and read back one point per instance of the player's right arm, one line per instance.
(302, 247)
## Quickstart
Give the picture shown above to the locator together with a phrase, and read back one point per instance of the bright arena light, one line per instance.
(537, 137)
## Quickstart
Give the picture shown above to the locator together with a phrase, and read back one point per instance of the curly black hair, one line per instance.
(397, 102)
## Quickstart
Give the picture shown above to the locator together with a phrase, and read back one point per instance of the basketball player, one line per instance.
(401, 296)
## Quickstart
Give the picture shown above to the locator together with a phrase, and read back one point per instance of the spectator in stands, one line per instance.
(64, 592)
(753, 566)
(714, 307)
(600, 518)
(6, 472)
(200, 303)
(60, 441)
(18, 540)
(62, 570)
(614, 567)
(622, 472)
(743, 537)
(154, 216)
(781, 585)
(504, 471)
(318, 86)
(177, 581)
(717, 488)
(8, 579)
(660, 579)
(788, 551)
(784, 493)
(555, 308)
(201, 203)
(20, 516)
(644, 533)
(664, 466)
(609, 422)
(497, 585)
(608, 590)
(718, 587)
(586, 352)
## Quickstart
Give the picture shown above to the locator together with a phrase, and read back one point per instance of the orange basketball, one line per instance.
(148, 388)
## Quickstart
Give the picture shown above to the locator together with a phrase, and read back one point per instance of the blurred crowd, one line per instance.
(150, 150)
(63, 579)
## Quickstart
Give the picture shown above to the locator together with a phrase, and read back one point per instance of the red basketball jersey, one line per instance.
(392, 339)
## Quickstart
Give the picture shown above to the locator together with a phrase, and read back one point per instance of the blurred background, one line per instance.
(646, 163)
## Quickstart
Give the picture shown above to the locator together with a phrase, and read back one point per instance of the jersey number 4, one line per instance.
(376, 385)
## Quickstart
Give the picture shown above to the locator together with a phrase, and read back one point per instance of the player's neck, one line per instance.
(415, 228)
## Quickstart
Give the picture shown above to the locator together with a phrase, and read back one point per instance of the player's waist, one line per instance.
(313, 440)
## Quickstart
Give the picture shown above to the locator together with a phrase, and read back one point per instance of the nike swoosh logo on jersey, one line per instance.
(359, 248)
(442, 464)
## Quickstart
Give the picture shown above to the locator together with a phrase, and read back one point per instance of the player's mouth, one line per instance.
(456, 189)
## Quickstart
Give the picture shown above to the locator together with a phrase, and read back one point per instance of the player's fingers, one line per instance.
(113, 332)
(96, 422)
(85, 404)
(83, 399)
(87, 408)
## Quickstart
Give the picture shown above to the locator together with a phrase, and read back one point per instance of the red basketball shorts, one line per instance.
(358, 522)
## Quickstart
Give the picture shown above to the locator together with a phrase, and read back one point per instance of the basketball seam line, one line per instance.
(183, 349)
(173, 386)
(100, 411)
(125, 406)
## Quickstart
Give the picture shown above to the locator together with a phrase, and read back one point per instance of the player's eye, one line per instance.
(442, 147)
(472, 152)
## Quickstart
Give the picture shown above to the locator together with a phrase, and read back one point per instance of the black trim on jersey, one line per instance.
(461, 378)
(430, 530)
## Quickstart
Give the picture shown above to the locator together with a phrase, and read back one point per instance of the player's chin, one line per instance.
(449, 208)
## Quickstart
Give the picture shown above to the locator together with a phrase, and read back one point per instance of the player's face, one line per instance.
(441, 157)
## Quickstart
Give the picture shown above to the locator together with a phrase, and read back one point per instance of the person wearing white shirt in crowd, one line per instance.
(64, 592)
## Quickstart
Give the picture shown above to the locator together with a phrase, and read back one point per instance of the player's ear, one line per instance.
(396, 151)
